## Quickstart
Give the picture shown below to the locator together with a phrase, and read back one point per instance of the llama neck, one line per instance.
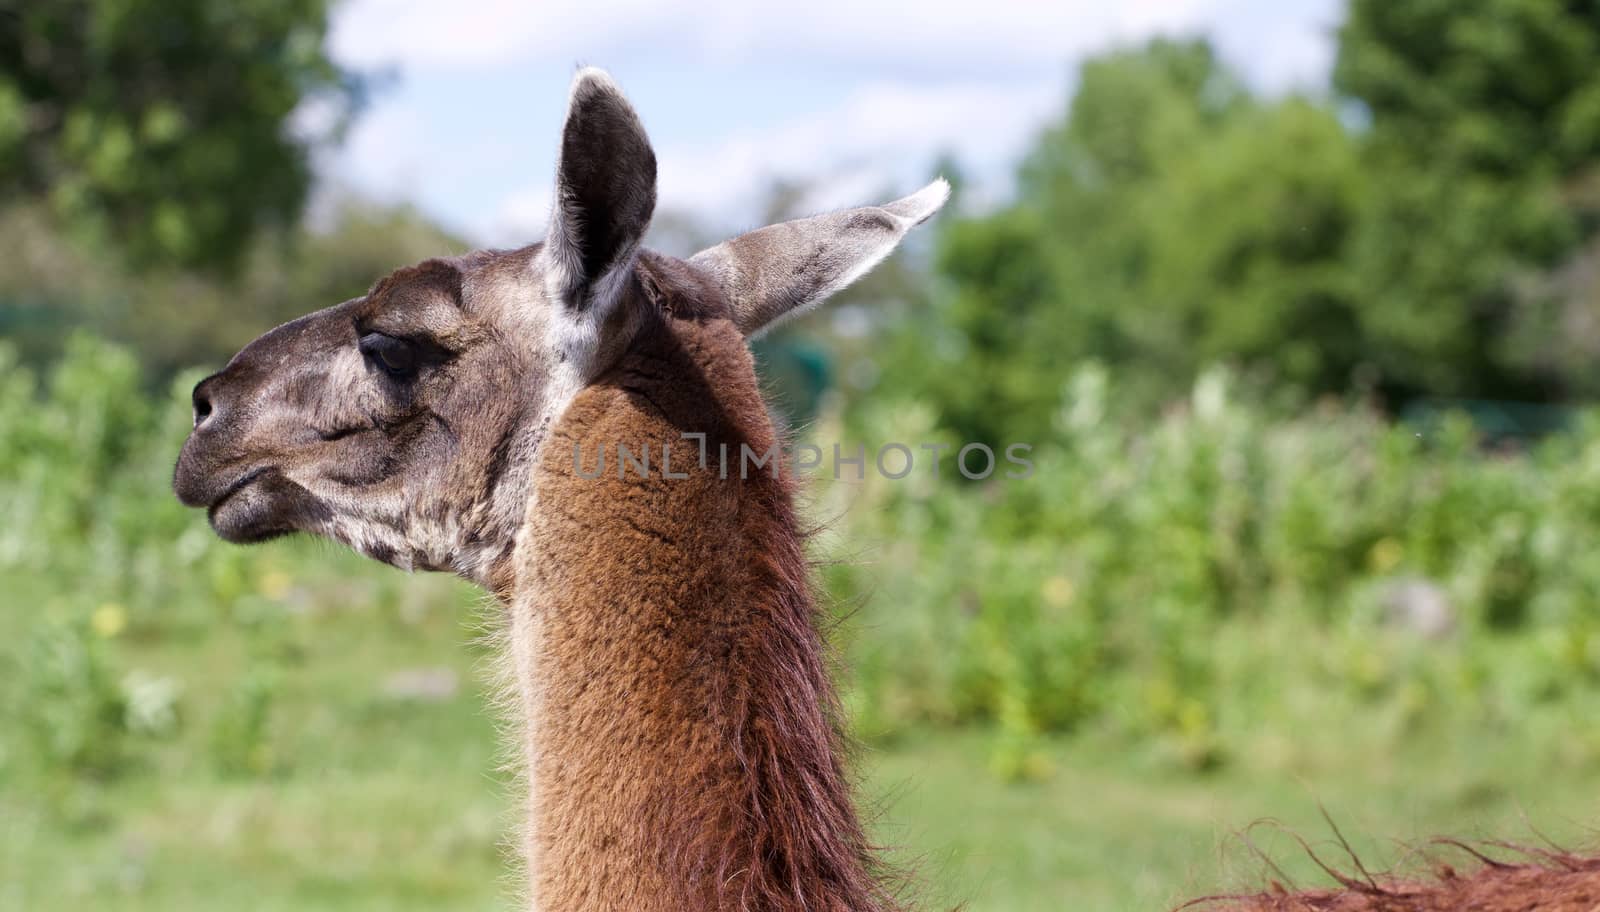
(678, 719)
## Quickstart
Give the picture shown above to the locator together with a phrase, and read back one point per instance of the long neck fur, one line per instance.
(677, 720)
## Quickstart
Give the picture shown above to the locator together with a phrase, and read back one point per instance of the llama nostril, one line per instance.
(202, 407)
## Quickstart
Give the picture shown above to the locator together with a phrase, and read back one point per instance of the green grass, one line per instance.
(356, 798)
(1114, 830)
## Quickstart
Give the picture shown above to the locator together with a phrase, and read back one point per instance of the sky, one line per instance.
(850, 97)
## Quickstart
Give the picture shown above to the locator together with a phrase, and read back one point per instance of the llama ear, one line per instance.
(783, 270)
(605, 195)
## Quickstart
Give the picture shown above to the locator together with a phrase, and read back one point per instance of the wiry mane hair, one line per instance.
(1520, 879)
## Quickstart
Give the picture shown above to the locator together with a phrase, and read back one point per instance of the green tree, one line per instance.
(1482, 134)
(1170, 220)
(165, 124)
(176, 319)
(1430, 229)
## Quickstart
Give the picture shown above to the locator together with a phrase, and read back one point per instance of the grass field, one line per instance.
(340, 758)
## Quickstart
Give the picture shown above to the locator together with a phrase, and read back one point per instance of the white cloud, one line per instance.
(883, 137)
(884, 133)
(521, 217)
(956, 34)
(905, 81)
(383, 154)
(469, 33)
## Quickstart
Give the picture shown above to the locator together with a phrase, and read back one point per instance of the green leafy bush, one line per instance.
(1184, 579)
(1199, 584)
(108, 583)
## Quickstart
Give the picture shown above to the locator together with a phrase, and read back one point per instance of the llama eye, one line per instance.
(396, 356)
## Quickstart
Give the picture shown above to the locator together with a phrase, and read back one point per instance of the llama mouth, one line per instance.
(263, 504)
(245, 511)
(244, 481)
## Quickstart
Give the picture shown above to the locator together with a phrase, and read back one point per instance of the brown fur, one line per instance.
(1548, 882)
(682, 749)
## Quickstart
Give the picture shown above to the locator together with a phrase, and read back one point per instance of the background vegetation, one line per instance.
(1264, 562)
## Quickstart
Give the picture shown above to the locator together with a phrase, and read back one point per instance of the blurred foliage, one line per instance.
(1426, 229)
(1482, 140)
(176, 319)
(1180, 584)
(165, 125)
(97, 556)
(1170, 221)
(1160, 579)
(186, 724)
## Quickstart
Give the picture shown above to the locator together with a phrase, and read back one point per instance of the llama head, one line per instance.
(405, 422)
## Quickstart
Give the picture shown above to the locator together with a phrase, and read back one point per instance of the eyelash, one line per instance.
(396, 357)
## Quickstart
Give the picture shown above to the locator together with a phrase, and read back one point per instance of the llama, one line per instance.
(675, 725)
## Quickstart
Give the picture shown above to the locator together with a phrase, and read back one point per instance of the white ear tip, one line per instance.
(920, 206)
(593, 75)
